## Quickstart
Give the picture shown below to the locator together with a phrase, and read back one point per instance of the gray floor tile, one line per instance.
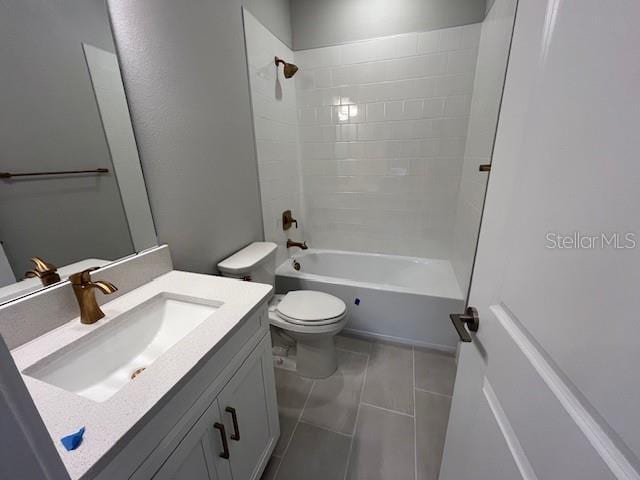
(292, 393)
(435, 371)
(353, 344)
(383, 447)
(333, 402)
(315, 454)
(389, 381)
(271, 468)
(432, 416)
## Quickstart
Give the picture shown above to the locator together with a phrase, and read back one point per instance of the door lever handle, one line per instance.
(470, 318)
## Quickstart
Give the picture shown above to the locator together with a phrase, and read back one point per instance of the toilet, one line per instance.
(311, 318)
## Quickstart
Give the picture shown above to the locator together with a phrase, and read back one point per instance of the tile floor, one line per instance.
(382, 416)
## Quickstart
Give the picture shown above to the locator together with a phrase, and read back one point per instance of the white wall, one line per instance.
(493, 52)
(383, 125)
(185, 73)
(275, 15)
(331, 22)
(276, 128)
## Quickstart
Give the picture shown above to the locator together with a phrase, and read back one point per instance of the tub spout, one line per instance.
(291, 243)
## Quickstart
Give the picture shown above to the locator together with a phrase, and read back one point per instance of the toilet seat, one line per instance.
(310, 308)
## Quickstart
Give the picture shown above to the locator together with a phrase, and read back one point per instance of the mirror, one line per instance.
(71, 186)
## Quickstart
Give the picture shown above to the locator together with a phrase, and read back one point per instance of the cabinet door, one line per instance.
(249, 410)
(197, 457)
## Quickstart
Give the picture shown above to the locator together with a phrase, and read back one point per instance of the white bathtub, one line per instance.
(406, 299)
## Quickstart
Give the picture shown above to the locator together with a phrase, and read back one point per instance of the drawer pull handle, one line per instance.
(223, 436)
(236, 435)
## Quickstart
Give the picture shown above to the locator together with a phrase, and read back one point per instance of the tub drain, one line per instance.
(137, 372)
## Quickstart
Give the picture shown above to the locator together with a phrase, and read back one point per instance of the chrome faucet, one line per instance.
(83, 287)
(291, 243)
(45, 271)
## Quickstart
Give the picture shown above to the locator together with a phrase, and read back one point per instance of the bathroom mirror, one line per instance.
(71, 186)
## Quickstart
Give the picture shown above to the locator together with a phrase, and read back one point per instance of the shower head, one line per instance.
(289, 68)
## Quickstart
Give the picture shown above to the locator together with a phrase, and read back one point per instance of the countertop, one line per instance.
(106, 422)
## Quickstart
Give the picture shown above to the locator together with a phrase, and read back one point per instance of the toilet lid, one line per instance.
(309, 306)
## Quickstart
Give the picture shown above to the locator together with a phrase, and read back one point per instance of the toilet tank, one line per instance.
(256, 263)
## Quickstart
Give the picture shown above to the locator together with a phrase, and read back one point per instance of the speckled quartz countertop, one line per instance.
(106, 422)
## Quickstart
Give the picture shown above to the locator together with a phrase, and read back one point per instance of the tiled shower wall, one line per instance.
(273, 100)
(382, 130)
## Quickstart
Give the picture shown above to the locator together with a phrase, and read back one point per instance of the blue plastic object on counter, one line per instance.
(73, 441)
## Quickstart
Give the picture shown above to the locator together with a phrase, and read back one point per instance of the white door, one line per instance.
(549, 388)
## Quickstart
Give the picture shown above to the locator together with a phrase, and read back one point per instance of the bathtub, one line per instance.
(403, 299)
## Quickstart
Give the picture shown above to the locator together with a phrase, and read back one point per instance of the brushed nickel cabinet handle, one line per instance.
(236, 435)
(223, 436)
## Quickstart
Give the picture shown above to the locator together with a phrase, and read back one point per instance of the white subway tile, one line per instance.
(307, 115)
(457, 105)
(433, 65)
(359, 52)
(375, 112)
(323, 78)
(341, 75)
(424, 88)
(433, 107)
(404, 45)
(317, 57)
(428, 42)
(454, 84)
(393, 110)
(412, 109)
(451, 39)
(324, 115)
(471, 35)
(452, 147)
(346, 133)
(462, 61)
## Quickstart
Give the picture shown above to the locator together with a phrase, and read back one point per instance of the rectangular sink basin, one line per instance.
(102, 362)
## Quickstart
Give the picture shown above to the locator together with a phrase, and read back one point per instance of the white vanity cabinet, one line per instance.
(183, 438)
(247, 407)
(195, 457)
(234, 437)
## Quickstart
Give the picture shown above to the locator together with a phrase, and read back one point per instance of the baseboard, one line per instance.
(365, 335)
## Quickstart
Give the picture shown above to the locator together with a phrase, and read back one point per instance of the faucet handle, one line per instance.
(45, 271)
(42, 266)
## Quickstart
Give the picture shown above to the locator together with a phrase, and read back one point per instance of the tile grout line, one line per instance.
(351, 351)
(311, 424)
(355, 426)
(433, 393)
(371, 405)
(415, 415)
(293, 432)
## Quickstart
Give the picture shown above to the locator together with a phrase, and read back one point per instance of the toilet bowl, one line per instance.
(311, 318)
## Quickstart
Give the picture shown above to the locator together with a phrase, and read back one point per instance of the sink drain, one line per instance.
(137, 372)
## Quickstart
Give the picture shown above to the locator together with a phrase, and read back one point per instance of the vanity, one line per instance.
(176, 381)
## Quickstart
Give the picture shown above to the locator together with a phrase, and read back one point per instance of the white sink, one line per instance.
(102, 362)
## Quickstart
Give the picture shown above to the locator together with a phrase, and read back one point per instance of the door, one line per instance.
(548, 388)
(249, 409)
(202, 453)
